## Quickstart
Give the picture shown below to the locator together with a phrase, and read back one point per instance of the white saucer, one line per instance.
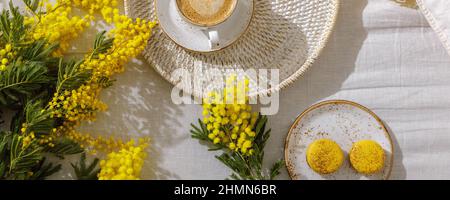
(193, 37)
(344, 122)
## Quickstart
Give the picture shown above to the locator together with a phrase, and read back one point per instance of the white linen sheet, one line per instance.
(437, 13)
(381, 55)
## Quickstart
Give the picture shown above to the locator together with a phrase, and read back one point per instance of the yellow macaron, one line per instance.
(324, 156)
(367, 157)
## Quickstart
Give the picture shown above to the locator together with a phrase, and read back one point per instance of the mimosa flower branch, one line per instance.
(236, 131)
(51, 94)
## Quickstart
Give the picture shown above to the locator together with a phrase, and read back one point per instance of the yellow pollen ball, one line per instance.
(367, 157)
(324, 156)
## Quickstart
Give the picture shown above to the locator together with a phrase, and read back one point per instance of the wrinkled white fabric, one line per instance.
(381, 55)
(437, 13)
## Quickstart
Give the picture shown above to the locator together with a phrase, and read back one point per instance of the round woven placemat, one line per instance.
(284, 34)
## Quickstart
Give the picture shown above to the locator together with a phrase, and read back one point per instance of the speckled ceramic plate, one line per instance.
(344, 122)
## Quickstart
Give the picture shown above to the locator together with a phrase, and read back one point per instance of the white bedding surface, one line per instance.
(381, 55)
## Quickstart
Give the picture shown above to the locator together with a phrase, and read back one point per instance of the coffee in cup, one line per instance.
(206, 12)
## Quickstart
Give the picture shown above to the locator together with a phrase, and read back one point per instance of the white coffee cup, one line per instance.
(197, 38)
(210, 29)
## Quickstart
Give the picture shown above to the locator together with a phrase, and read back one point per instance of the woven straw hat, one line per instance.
(284, 34)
